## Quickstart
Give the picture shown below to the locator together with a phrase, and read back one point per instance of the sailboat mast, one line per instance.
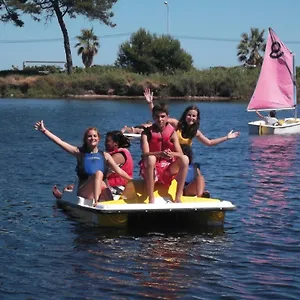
(295, 85)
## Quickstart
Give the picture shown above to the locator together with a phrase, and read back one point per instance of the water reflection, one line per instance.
(144, 265)
(273, 169)
(272, 159)
(257, 258)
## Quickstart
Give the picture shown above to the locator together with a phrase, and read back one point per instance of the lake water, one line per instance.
(47, 255)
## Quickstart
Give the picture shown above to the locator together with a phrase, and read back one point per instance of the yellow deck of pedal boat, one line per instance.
(133, 208)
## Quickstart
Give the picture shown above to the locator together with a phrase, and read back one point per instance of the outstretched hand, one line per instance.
(40, 126)
(233, 134)
(148, 95)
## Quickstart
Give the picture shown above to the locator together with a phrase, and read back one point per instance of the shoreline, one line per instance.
(186, 98)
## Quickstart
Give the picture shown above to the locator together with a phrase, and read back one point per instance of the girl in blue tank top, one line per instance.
(91, 162)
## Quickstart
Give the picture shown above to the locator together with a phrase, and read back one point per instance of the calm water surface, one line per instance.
(46, 255)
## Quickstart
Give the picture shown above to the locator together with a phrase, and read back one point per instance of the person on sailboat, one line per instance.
(270, 119)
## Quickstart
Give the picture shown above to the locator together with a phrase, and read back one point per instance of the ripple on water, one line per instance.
(47, 255)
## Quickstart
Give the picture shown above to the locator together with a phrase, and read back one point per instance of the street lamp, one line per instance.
(168, 23)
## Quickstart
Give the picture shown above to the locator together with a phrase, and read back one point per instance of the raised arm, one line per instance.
(149, 98)
(64, 145)
(260, 115)
(173, 122)
(115, 167)
(206, 141)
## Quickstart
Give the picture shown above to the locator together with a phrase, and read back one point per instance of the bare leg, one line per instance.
(196, 187)
(137, 130)
(180, 166)
(97, 185)
(150, 165)
(200, 185)
(184, 164)
(106, 194)
(127, 129)
(91, 189)
(56, 192)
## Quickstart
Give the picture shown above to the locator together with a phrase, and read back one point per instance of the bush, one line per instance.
(234, 83)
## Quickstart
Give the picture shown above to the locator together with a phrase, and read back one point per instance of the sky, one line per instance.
(209, 30)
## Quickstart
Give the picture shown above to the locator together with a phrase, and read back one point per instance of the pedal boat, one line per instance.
(132, 209)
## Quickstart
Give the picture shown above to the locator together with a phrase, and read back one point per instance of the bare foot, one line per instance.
(69, 188)
(151, 201)
(56, 192)
(177, 201)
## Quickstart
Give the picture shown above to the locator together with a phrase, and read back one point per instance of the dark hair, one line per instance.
(84, 146)
(273, 113)
(118, 137)
(160, 108)
(186, 130)
(187, 150)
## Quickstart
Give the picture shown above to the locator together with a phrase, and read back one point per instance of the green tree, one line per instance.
(148, 53)
(251, 47)
(135, 54)
(87, 45)
(169, 56)
(91, 9)
(10, 12)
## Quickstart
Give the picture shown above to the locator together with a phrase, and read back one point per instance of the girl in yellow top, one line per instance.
(187, 128)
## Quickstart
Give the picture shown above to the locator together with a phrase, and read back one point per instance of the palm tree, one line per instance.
(251, 48)
(88, 44)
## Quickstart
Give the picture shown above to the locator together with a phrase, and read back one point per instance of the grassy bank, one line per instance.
(210, 84)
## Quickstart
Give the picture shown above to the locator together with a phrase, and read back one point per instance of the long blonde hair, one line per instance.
(84, 146)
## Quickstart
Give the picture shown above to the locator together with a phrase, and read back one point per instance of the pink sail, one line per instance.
(275, 88)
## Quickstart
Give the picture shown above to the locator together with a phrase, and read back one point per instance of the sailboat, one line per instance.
(275, 89)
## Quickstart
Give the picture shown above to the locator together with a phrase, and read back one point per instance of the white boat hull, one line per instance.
(135, 212)
(289, 126)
